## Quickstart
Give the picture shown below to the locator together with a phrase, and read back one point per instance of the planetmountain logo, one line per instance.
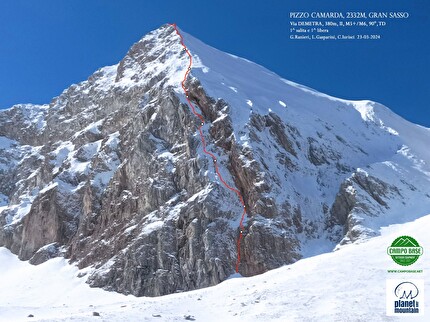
(405, 297)
(405, 250)
(406, 290)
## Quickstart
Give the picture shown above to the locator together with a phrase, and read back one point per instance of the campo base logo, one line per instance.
(405, 297)
(405, 250)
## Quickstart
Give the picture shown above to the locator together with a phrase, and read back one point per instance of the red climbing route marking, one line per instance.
(239, 195)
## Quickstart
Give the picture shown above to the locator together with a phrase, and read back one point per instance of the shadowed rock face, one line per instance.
(111, 175)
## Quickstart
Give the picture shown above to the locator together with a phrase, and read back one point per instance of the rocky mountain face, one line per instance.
(111, 174)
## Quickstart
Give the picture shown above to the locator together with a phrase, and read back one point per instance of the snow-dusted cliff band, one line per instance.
(111, 173)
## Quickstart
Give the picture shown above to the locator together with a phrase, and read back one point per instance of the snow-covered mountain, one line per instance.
(112, 175)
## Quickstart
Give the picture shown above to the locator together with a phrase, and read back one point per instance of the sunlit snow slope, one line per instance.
(346, 285)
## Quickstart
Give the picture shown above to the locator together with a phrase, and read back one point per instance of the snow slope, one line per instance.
(346, 285)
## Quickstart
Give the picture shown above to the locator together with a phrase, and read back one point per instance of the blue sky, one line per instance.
(47, 45)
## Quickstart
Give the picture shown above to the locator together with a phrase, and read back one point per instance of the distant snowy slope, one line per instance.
(347, 285)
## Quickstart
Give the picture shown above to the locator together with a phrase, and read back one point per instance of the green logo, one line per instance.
(405, 250)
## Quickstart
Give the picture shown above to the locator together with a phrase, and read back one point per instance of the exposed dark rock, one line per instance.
(46, 253)
(189, 317)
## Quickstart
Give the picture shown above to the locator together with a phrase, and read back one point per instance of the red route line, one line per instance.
(239, 195)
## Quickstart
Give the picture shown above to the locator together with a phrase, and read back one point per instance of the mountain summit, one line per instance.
(112, 175)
